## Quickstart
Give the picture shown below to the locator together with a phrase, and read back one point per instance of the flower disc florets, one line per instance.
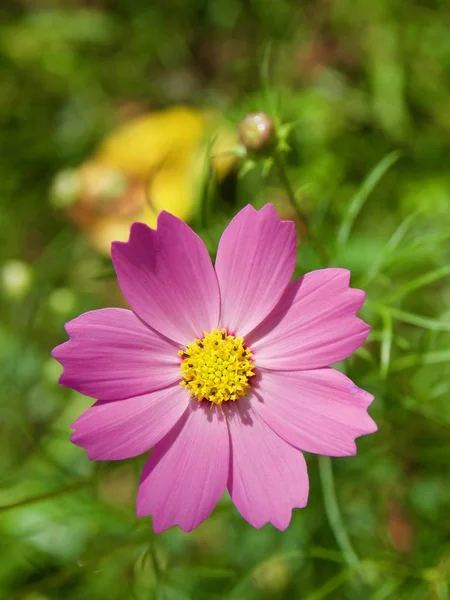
(217, 367)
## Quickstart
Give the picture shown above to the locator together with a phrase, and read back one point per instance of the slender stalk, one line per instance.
(334, 515)
(303, 219)
(74, 487)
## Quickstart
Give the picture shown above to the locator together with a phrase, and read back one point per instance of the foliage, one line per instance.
(364, 89)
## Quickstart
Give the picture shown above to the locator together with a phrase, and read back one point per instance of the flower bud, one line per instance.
(257, 131)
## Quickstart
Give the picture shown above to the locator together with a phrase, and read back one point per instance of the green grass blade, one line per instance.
(411, 318)
(330, 586)
(359, 199)
(418, 320)
(386, 344)
(417, 283)
(390, 248)
(415, 360)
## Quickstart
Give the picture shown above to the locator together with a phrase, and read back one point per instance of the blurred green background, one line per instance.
(357, 80)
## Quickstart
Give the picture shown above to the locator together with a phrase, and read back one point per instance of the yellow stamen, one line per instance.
(217, 367)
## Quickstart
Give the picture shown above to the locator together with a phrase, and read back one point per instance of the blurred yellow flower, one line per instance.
(151, 163)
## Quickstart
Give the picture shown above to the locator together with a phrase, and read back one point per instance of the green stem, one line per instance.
(74, 487)
(282, 171)
(334, 515)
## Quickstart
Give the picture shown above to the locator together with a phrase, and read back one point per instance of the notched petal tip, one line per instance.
(365, 398)
(270, 209)
(117, 247)
(75, 438)
(59, 353)
(137, 228)
(359, 292)
(344, 274)
(165, 215)
(279, 523)
(56, 352)
(141, 511)
(161, 527)
(267, 209)
(349, 450)
(283, 523)
(248, 208)
(359, 334)
(370, 427)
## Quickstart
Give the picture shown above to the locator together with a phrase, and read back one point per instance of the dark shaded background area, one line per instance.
(358, 80)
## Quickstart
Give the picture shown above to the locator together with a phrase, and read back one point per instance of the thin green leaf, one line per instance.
(418, 320)
(74, 487)
(386, 344)
(359, 199)
(207, 188)
(389, 248)
(334, 515)
(107, 273)
(417, 283)
(364, 354)
(385, 591)
(411, 318)
(330, 586)
(431, 242)
(269, 98)
(428, 412)
(201, 572)
(426, 358)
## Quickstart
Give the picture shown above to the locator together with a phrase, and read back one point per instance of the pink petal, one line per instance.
(187, 471)
(319, 411)
(255, 261)
(314, 324)
(126, 428)
(167, 277)
(268, 477)
(111, 354)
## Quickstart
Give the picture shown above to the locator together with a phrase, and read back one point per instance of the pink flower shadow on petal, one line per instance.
(314, 325)
(268, 476)
(167, 277)
(125, 428)
(320, 411)
(255, 262)
(111, 354)
(187, 471)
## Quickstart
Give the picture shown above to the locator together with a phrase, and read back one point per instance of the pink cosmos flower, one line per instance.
(224, 370)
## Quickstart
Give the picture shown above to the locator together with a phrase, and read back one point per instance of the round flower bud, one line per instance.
(256, 131)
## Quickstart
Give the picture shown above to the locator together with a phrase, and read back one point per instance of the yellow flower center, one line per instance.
(217, 367)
